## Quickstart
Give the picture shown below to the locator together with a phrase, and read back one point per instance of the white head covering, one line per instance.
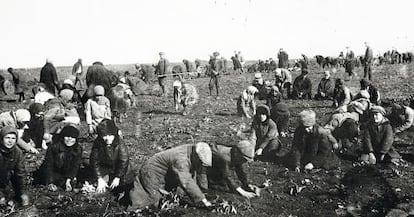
(203, 151)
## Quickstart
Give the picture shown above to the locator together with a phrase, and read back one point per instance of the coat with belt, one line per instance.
(314, 147)
(162, 66)
(175, 167)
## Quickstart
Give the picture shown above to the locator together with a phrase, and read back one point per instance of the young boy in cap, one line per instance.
(97, 109)
(378, 138)
(312, 145)
(280, 114)
(12, 166)
(218, 176)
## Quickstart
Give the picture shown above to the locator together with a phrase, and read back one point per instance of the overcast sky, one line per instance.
(131, 31)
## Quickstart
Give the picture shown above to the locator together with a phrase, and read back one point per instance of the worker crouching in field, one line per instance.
(344, 124)
(184, 94)
(97, 109)
(280, 114)
(246, 103)
(402, 121)
(274, 97)
(264, 135)
(312, 145)
(109, 158)
(218, 176)
(41, 95)
(59, 113)
(12, 167)
(302, 86)
(19, 120)
(342, 94)
(325, 87)
(169, 169)
(374, 94)
(378, 138)
(63, 159)
(284, 80)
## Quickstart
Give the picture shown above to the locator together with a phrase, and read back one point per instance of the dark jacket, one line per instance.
(283, 59)
(326, 86)
(12, 166)
(48, 76)
(219, 175)
(314, 147)
(76, 66)
(302, 84)
(62, 160)
(162, 66)
(109, 159)
(379, 138)
(98, 74)
(368, 58)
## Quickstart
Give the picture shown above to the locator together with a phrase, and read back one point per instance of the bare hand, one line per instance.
(115, 183)
(52, 187)
(259, 151)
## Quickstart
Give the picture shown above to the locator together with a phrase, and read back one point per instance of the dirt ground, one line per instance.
(349, 190)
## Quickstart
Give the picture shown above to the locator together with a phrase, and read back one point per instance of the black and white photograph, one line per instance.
(164, 108)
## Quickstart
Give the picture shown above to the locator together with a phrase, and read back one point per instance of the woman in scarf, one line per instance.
(63, 159)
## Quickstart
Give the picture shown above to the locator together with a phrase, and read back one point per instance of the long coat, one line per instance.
(175, 167)
(48, 76)
(97, 74)
(314, 147)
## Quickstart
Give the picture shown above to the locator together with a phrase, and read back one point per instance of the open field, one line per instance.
(154, 125)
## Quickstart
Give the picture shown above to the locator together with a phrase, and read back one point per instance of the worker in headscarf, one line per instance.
(264, 135)
(246, 103)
